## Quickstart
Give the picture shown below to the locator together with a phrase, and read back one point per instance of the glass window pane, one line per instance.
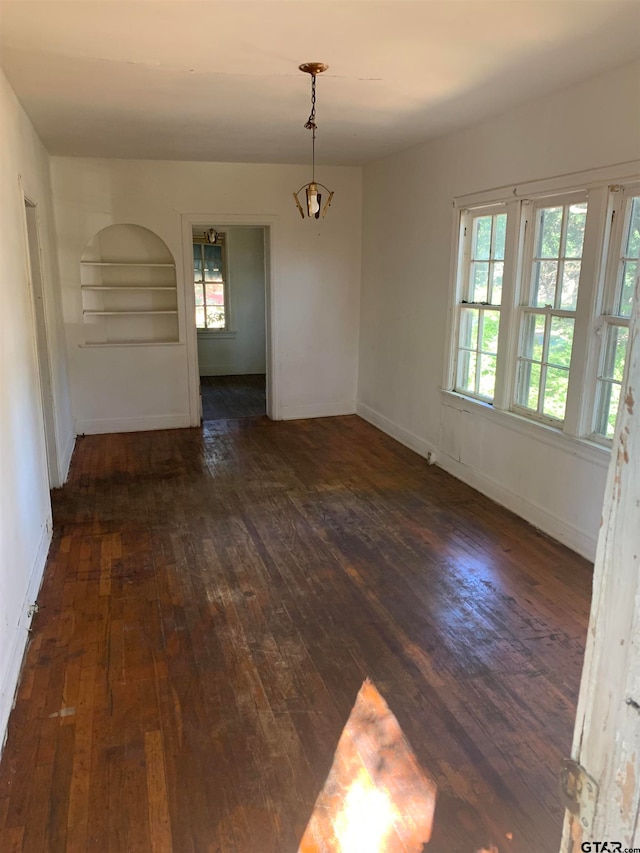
(633, 237)
(615, 353)
(490, 328)
(570, 282)
(550, 229)
(487, 375)
(575, 230)
(501, 233)
(528, 385)
(213, 263)
(215, 294)
(479, 281)
(555, 392)
(496, 283)
(612, 414)
(469, 328)
(544, 278)
(629, 274)
(561, 341)
(467, 371)
(533, 336)
(215, 317)
(482, 238)
(609, 399)
(200, 318)
(199, 295)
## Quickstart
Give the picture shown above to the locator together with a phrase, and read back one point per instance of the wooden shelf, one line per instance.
(160, 343)
(122, 264)
(129, 289)
(123, 313)
(141, 287)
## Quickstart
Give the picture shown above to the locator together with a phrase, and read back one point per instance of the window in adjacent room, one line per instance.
(210, 283)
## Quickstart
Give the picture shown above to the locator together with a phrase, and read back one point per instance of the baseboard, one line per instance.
(11, 676)
(317, 410)
(65, 458)
(538, 516)
(404, 436)
(108, 425)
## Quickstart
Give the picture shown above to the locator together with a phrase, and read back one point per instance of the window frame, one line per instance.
(621, 198)
(464, 291)
(580, 412)
(530, 228)
(226, 330)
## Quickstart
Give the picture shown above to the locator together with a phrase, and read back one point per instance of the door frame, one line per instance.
(188, 332)
(35, 277)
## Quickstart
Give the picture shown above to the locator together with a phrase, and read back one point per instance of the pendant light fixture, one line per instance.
(313, 198)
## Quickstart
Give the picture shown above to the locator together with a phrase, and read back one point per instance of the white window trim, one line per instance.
(529, 218)
(616, 223)
(465, 239)
(216, 333)
(576, 432)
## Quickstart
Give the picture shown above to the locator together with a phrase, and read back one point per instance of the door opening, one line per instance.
(229, 276)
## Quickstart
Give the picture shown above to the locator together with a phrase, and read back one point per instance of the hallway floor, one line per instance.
(212, 603)
(233, 396)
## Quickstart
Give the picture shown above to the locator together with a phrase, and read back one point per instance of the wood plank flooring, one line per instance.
(233, 396)
(212, 603)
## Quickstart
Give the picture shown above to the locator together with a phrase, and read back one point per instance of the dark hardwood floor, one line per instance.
(233, 396)
(212, 603)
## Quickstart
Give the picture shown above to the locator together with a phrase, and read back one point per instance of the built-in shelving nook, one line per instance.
(129, 294)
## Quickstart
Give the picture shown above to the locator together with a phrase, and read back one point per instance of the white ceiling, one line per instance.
(212, 80)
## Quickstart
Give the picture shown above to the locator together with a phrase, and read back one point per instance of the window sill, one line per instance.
(584, 448)
(223, 334)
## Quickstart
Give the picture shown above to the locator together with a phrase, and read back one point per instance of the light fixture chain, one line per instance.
(311, 121)
(313, 195)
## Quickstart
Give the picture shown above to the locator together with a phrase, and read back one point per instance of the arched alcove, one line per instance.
(128, 282)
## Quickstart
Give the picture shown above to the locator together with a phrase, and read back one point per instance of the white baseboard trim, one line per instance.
(317, 410)
(151, 422)
(579, 541)
(404, 436)
(11, 676)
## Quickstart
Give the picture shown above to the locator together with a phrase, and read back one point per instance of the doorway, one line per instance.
(229, 275)
(36, 285)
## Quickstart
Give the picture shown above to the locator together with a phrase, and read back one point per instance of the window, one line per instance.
(621, 275)
(209, 280)
(479, 310)
(544, 290)
(548, 312)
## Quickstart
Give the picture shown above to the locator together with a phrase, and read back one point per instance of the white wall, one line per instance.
(25, 511)
(243, 349)
(314, 288)
(407, 226)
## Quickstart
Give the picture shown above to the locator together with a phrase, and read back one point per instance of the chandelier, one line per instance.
(313, 197)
